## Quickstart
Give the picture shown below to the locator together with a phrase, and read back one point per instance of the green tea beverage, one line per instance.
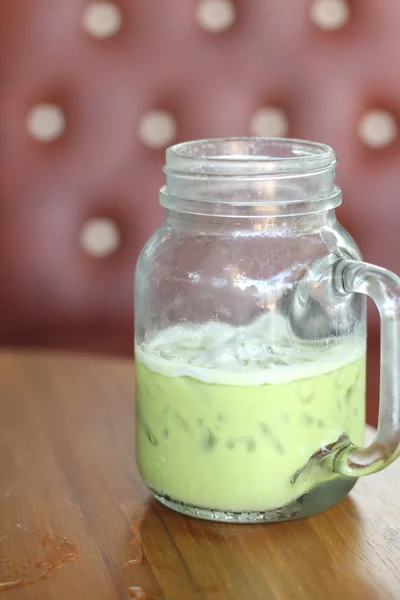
(226, 421)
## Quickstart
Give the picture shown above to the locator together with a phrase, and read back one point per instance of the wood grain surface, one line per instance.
(77, 523)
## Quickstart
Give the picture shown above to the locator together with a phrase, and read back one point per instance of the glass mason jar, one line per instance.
(251, 337)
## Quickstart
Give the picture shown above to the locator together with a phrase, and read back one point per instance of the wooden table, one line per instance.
(74, 511)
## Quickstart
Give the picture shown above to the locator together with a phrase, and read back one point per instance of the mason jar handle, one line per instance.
(383, 287)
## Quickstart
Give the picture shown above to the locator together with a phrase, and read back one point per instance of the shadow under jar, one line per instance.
(251, 337)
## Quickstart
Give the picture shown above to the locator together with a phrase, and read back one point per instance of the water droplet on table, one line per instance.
(27, 556)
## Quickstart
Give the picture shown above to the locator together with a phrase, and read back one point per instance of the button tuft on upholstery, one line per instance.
(102, 19)
(157, 129)
(216, 15)
(330, 14)
(269, 121)
(377, 128)
(100, 237)
(45, 122)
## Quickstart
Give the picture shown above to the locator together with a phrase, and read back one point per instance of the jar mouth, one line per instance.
(250, 156)
(250, 176)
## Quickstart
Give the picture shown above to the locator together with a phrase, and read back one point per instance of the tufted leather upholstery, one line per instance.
(52, 293)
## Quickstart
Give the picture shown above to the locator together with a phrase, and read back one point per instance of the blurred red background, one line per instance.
(91, 93)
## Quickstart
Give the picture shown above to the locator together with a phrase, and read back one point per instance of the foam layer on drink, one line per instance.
(256, 354)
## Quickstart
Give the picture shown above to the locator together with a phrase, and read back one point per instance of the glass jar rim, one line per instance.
(247, 176)
(241, 156)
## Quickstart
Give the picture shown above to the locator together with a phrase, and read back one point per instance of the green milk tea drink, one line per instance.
(225, 419)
